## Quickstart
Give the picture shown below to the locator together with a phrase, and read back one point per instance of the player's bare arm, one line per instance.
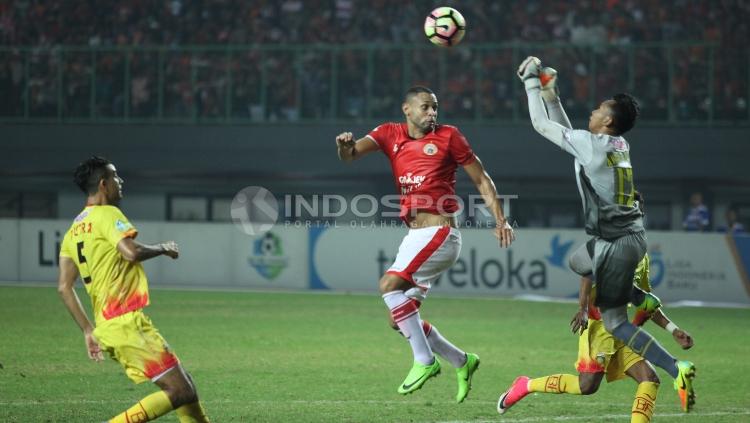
(580, 320)
(680, 336)
(68, 274)
(349, 149)
(133, 251)
(486, 187)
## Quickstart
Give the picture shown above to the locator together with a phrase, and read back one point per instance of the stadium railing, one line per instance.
(677, 83)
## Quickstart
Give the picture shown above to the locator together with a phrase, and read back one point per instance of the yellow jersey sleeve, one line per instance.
(641, 277)
(116, 226)
(66, 247)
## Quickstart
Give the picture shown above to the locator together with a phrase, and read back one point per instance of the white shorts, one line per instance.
(423, 255)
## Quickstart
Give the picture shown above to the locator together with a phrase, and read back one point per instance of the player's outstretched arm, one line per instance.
(68, 273)
(528, 72)
(133, 251)
(348, 149)
(486, 187)
(680, 336)
(551, 96)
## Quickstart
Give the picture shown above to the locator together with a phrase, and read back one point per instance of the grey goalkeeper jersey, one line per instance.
(605, 181)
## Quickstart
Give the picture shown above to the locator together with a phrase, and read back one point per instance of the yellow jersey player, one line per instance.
(600, 354)
(101, 249)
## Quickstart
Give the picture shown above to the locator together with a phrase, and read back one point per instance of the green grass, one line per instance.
(276, 357)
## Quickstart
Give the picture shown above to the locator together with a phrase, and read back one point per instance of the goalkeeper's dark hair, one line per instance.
(90, 172)
(417, 89)
(625, 111)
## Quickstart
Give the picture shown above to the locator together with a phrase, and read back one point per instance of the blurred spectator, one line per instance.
(585, 24)
(733, 225)
(697, 218)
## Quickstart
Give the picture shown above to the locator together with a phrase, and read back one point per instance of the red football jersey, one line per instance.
(424, 169)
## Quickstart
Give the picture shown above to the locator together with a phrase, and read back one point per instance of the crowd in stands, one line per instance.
(305, 81)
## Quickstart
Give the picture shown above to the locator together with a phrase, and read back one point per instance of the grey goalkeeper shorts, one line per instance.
(614, 263)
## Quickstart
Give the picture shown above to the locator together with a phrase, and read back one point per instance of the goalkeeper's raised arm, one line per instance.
(529, 72)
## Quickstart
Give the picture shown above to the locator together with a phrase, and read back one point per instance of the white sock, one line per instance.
(405, 313)
(443, 347)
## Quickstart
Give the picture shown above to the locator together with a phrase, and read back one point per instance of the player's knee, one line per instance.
(580, 262)
(588, 386)
(389, 283)
(614, 317)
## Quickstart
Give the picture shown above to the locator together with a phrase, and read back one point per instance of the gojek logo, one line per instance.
(268, 256)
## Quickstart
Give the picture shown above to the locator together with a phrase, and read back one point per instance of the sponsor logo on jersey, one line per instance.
(395, 148)
(619, 144)
(122, 226)
(410, 182)
(430, 149)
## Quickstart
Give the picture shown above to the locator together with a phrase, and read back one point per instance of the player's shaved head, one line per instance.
(415, 91)
(625, 111)
(90, 172)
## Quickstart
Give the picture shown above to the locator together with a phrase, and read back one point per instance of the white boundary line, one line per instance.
(600, 416)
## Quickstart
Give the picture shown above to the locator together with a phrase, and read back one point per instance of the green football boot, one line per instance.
(684, 384)
(418, 375)
(464, 375)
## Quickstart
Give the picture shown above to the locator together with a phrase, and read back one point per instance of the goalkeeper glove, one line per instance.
(548, 79)
(528, 72)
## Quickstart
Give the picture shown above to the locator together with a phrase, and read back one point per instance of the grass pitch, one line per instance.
(278, 357)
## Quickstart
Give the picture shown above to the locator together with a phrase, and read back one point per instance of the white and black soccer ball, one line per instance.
(445, 27)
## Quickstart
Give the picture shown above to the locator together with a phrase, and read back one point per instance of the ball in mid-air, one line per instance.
(445, 26)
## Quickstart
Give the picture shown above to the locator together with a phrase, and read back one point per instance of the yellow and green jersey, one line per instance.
(115, 285)
(640, 279)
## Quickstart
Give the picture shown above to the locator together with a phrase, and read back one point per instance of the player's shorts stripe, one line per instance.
(435, 243)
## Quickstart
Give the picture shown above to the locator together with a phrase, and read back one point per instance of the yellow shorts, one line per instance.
(599, 351)
(133, 341)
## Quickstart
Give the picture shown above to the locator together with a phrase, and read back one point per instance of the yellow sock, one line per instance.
(147, 409)
(645, 401)
(556, 384)
(192, 413)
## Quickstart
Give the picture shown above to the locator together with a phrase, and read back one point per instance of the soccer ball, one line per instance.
(445, 27)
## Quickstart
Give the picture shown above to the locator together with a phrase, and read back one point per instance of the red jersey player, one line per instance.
(424, 157)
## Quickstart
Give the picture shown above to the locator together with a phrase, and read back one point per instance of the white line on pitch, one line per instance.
(600, 416)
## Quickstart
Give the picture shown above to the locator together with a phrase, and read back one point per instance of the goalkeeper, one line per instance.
(604, 175)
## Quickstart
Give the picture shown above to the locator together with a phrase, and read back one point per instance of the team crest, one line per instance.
(430, 149)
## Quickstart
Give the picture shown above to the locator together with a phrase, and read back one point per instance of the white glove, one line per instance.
(548, 79)
(528, 71)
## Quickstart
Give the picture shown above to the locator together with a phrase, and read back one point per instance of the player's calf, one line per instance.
(178, 387)
(589, 382)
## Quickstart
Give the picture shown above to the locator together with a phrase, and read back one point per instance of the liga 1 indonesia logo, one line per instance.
(268, 256)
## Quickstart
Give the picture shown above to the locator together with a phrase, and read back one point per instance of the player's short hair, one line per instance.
(625, 111)
(89, 173)
(417, 89)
